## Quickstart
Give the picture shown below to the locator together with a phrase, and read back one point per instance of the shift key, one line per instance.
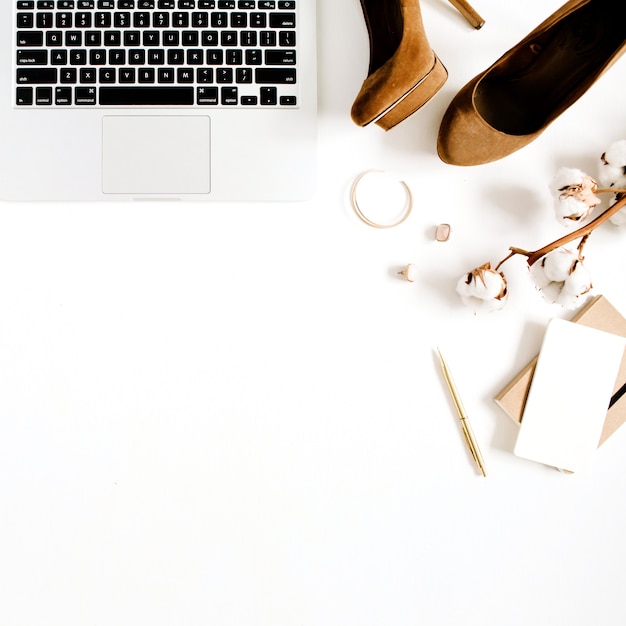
(36, 76)
(275, 75)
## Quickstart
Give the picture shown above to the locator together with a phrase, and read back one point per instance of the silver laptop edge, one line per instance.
(255, 155)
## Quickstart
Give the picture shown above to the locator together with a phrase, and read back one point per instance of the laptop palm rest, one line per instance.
(156, 154)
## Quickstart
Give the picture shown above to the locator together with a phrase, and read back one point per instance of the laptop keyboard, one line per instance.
(202, 53)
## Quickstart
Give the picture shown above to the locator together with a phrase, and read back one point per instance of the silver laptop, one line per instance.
(209, 100)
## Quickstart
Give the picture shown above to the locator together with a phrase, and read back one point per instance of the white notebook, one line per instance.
(569, 395)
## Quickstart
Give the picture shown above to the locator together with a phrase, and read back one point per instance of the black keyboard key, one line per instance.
(73, 38)
(87, 75)
(161, 20)
(184, 75)
(54, 38)
(45, 20)
(24, 96)
(269, 96)
(126, 75)
(64, 20)
(107, 74)
(39, 76)
(141, 20)
(230, 96)
(282, 20)
(25, 20)
(29, 39)
(32, 57)
(275, 76)
(204, 75)
(63, 96)
(253, 57)
(243, 75)
(85, 96)
(280, 57)
(200, 19)
(83, 20)
(258, 20)
(207, 95)
(239, 20)
(287, 38)
(102, 20)
(165, 75)
(58, 57)
(69, 75)
(93, 38)
(146, 75)
(142, 96)
(78, 57)
(43, 96)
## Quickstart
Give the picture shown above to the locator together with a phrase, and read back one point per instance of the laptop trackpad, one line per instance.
(159, 154)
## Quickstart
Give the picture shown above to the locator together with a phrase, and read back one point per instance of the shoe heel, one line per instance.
(468, 12)
(414, 99)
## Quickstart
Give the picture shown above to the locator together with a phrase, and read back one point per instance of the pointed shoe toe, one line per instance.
(510, 104)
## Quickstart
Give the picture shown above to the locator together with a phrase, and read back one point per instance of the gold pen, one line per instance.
(465, 425)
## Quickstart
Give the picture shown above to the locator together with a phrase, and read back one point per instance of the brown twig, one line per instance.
(582, 232)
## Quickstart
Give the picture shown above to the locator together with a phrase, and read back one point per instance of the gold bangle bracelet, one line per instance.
(367, 220)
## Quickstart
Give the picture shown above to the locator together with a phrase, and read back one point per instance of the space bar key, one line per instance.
(146, 96)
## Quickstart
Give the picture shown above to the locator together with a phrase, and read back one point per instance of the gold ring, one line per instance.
(367, 220)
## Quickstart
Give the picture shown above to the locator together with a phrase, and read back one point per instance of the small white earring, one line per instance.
(409, 272)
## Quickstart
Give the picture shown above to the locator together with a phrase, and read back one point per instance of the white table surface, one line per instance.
(232, 414)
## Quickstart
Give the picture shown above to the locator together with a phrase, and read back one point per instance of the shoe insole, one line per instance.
(540, 82)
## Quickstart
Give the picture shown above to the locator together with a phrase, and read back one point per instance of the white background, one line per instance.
(232, 414)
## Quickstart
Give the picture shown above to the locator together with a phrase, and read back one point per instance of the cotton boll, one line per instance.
(612, 167)
(573, 193)
(577, 285)
(558, 263)
(566, 177)
(570, 210)
(616, 153)
(483, 289)
(561, 277)
(538, 275)
(579, 281)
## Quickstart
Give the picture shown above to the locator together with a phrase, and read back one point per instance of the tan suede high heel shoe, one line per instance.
(513, 102)
(404, 72)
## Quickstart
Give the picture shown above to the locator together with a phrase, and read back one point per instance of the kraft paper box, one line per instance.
(598, 313)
